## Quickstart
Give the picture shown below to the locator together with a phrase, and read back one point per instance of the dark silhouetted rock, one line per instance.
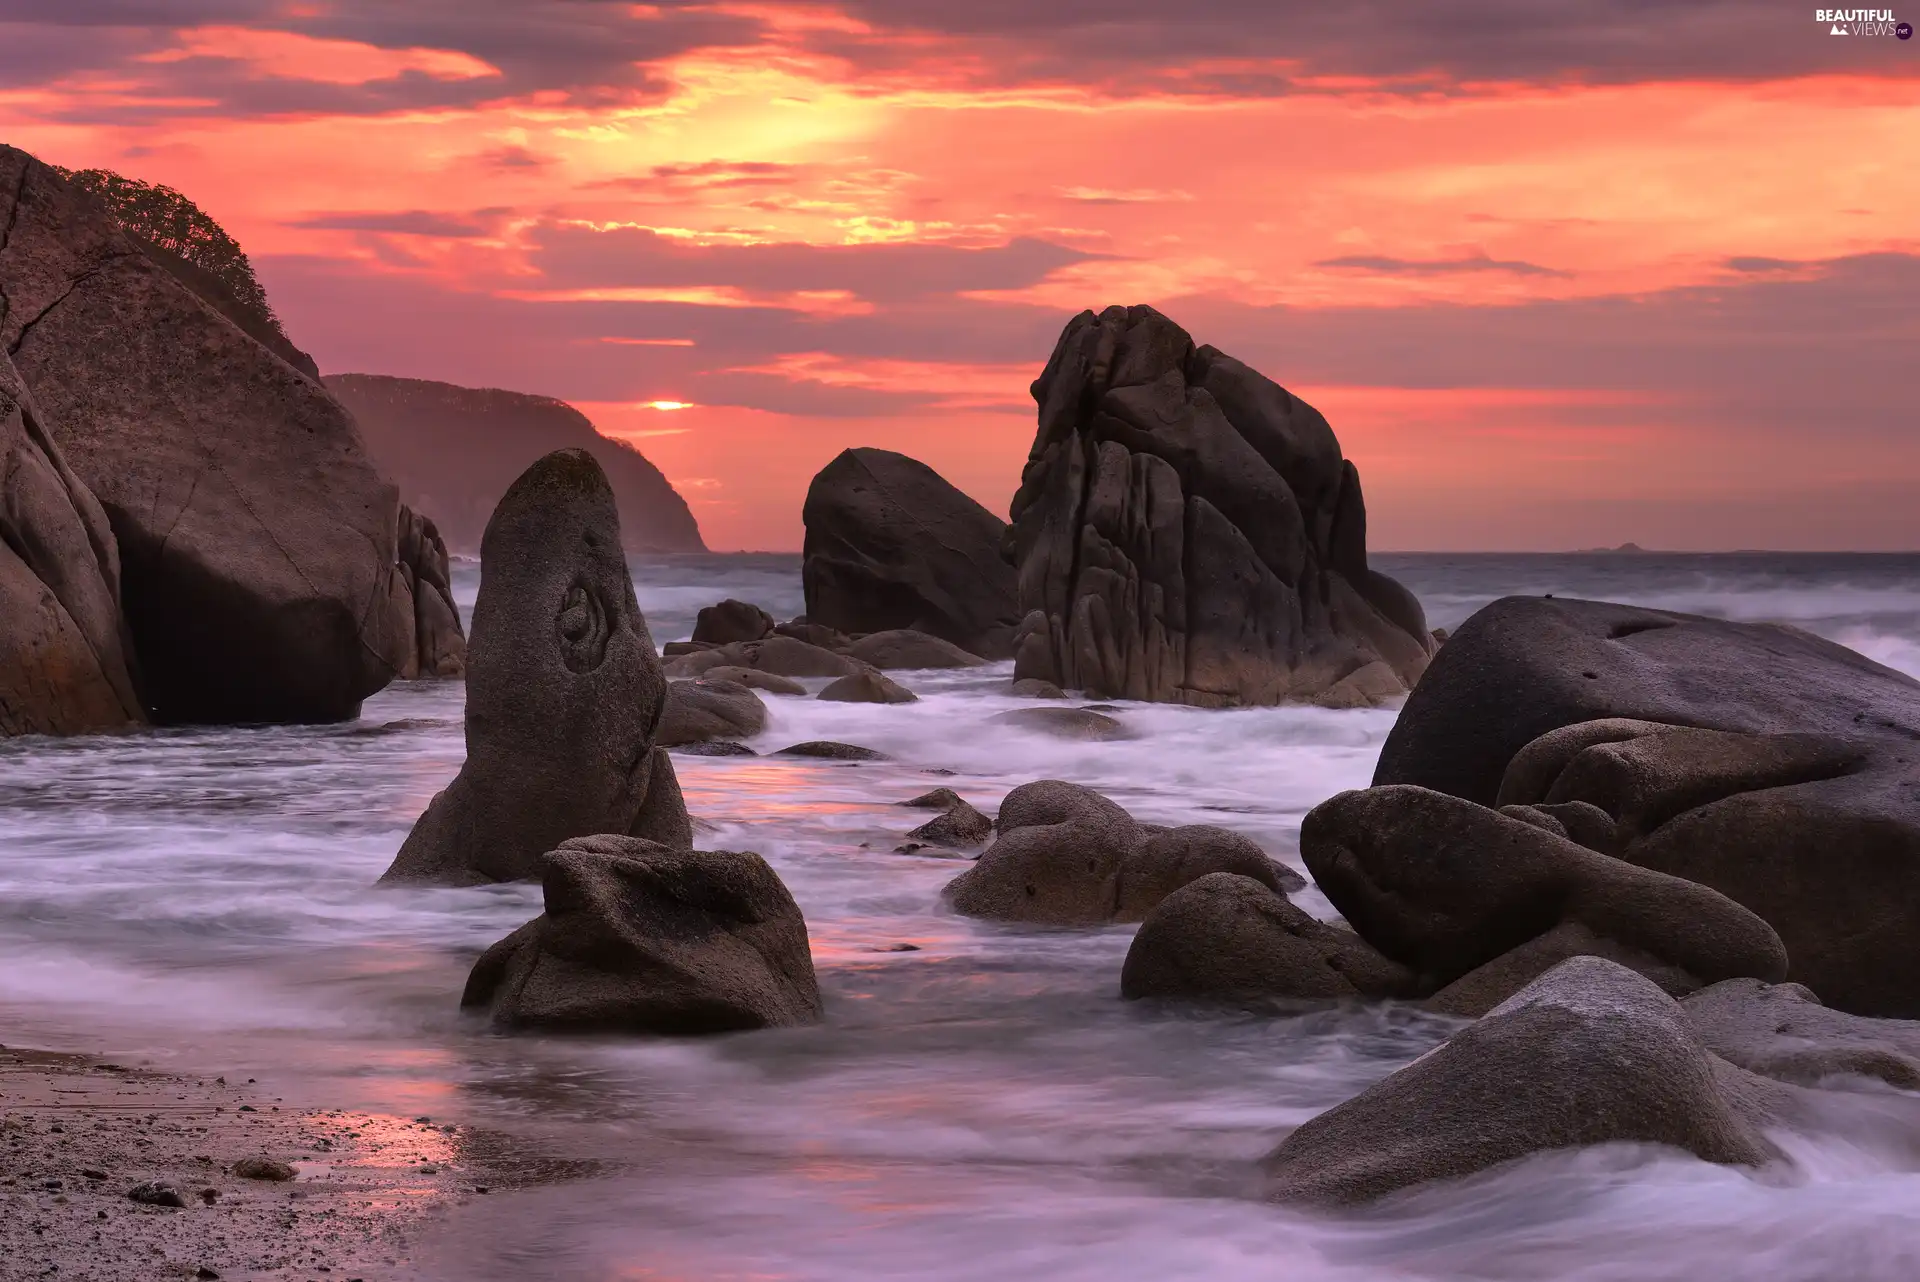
(891, 545)
(707, 709)
(1589, 1053)
(1782, 1031)
(828, 750)
(1187, 531)
(1773, 766)
(1478, 903)
(564, 693)
(868, 687)
(1236, 940)
(256, 540)
(754, 679)
(905, 648)
(731, 621)
(642, 938)
(66, 660)
(439, 643)
(1066, 723)
(453, 451)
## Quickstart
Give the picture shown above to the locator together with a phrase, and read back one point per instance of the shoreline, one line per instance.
(79, 1133)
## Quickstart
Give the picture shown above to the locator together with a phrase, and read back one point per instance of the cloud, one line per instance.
(408, 222)
(1384, 266)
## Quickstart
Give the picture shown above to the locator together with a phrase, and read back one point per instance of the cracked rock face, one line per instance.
(257, 541)
(65, 659)
(1186, 531)
(565, 698)
(439, 642)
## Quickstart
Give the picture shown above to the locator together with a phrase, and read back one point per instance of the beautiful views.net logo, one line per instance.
(1863, 22)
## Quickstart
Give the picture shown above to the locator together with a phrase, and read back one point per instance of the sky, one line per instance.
(1560, 275)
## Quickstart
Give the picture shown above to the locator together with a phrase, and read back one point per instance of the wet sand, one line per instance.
(77, 1135)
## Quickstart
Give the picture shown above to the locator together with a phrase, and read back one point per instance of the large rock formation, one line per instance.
(1777, 768)
(564, 694)
(891, 545)
(1589, 1053)
(643, 938)
(439, 644)
(257, 542)
(453, 451)
(65, 656)
(1477, 903)
(1187, 531)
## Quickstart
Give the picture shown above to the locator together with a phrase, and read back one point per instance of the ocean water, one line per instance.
(981, 1107)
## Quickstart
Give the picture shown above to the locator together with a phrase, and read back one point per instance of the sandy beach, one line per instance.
(78, 1136)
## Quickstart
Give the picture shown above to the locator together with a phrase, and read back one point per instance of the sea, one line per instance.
(979, 1105)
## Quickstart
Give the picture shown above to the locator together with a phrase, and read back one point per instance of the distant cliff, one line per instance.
(453, 451)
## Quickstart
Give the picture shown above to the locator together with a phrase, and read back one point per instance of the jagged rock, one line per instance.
(643, 938)
(958, 827)
(1589, 1053)
(754, 679)
(1066, 723)
(1773, 766)
(454, 451)
(1067, 856)
(905, 648)
(66, 660)
(564, 694)
(1477, 903)
(1782, 1031)
(1233, 939)
(890, 545)
(828, 750)
(259, 578)
(708, 709)
(731, 621)
(1187, 531)
(868, 687)
(439, 643)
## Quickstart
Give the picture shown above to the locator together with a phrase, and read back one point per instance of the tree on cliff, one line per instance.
(168, 220)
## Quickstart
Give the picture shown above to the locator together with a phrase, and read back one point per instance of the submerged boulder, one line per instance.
(1477, 903)
(958, 827)
(780, 655)
(1589, 1053)
(868, 687)
(1775, 767)
(257, 542)
(708, 709)
(564, 694)
(643, 938)
(890, 544)
(1187, 531)
(66, 660)
(1235, 939)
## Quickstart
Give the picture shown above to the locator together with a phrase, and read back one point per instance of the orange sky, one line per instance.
(1565, 282)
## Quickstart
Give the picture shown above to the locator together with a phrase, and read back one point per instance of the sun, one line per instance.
(669, 405)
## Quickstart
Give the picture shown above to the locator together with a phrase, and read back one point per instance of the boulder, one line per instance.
(708, 709)
(780, 655)
(66, 658)
(1589, 1053)
(1237, 940)
(868, 687)
(1033, 688)
(1783, 1032)
(958, 827)
(1771, 765)
(890, 544)
(716, 748)
(829, 750)
(643, 938)
(814, 634)
(731, 621)
(1067, 856)
(564, 694)
(257, 542)
(905, 648)
(934, 799)
(439, 643)
(1187, 531)
(1477, 903)
(1066, 723)
(754, 679)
